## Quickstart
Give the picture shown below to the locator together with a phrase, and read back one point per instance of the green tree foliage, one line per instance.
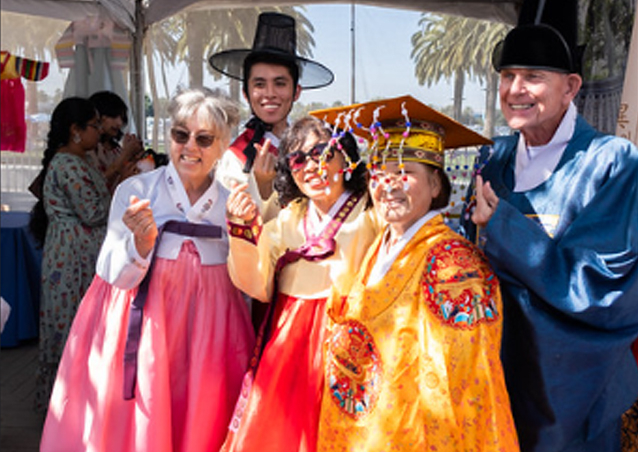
(192, 36)
(452, 48)
(209, 31)
(605, 26)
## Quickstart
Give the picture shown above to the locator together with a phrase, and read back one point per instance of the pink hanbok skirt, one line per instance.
(194, 349)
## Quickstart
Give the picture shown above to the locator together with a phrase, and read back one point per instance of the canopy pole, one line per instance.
(137, 61)
(353, 39)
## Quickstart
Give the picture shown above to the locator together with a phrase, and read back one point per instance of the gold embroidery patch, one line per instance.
(354, 369)
(459, 286)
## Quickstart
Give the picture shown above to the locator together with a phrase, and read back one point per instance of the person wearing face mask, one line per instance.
(412, 354)
(556, 212)
(162, 339)
(292, 263)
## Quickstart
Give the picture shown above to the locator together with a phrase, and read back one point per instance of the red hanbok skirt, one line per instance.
(279, 410)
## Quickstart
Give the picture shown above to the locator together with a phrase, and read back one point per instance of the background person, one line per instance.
(556, 211)
(412, 353)
(117, 152)
(162, 339)
(69, 221)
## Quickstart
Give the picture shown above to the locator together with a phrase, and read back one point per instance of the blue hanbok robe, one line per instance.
(566, 253)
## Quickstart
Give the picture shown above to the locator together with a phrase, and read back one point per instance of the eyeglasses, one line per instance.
(96, 126)
(297, 159)
(202, 140)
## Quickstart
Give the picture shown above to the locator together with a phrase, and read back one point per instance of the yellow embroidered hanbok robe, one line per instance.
(412, 363)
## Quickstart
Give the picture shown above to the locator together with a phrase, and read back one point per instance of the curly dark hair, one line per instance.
(72, 110)
(294, 138)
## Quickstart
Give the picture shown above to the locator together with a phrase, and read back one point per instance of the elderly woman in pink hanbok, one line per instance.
(155, 357)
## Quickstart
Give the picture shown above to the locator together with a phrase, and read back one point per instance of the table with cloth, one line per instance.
(19, 278)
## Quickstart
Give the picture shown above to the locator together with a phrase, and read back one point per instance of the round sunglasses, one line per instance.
(297, 159)
(203, 140)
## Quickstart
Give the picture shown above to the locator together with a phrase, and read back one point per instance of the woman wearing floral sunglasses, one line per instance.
(294, 261)
(167, 335)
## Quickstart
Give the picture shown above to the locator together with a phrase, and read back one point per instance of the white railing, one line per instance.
(18, 169)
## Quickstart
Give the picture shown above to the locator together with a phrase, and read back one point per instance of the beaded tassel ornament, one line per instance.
(477, 166)
(405, 135)
(373, 155)
(373, 163)
(335, 143)
(350, 165)
(323, 172)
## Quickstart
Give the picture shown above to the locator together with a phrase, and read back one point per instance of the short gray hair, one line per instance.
(218, 109)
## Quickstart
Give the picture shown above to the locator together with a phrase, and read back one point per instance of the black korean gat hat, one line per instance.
(275, 37)
(534, 46)
(545, 38)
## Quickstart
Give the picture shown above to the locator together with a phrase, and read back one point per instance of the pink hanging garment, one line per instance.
(13, 128)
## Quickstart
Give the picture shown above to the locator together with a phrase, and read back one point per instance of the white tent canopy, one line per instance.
(137, 15)
(123, 12)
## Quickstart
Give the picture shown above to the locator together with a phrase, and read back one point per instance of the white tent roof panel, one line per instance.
(123, 11)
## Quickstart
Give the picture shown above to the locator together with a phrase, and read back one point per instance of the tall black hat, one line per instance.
(545, 38)
(275, 36)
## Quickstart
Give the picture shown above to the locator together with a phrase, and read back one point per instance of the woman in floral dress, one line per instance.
(70, 222)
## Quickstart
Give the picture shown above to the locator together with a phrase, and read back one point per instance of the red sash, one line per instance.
(242, 141)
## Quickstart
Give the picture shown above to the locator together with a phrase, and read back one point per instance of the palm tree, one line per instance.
(160, 42)
(606, 28)
(451, 47)
(206, 32)
(193, 35)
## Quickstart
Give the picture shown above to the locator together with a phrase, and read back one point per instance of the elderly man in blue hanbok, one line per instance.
(556, 211)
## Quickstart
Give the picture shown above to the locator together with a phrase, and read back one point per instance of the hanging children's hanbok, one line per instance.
(13, 130)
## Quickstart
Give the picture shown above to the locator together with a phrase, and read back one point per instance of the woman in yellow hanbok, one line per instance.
(412, 356)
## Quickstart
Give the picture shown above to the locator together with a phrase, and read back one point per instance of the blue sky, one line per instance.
(383, 66)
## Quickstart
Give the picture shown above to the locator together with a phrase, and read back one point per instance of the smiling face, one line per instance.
(534, 101)
(408, 199)
(194, 161)
(271, 93)
(311, 183)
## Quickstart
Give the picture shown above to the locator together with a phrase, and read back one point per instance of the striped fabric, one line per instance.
(31, 69)
(93, 33)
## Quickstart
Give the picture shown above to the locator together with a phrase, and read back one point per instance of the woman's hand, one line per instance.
(138, 217)
(264, 169)
(131, 148)
(240, 204)
(124, 166)
(486, 203)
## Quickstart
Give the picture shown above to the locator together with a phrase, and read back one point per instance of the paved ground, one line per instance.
(20, 426)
